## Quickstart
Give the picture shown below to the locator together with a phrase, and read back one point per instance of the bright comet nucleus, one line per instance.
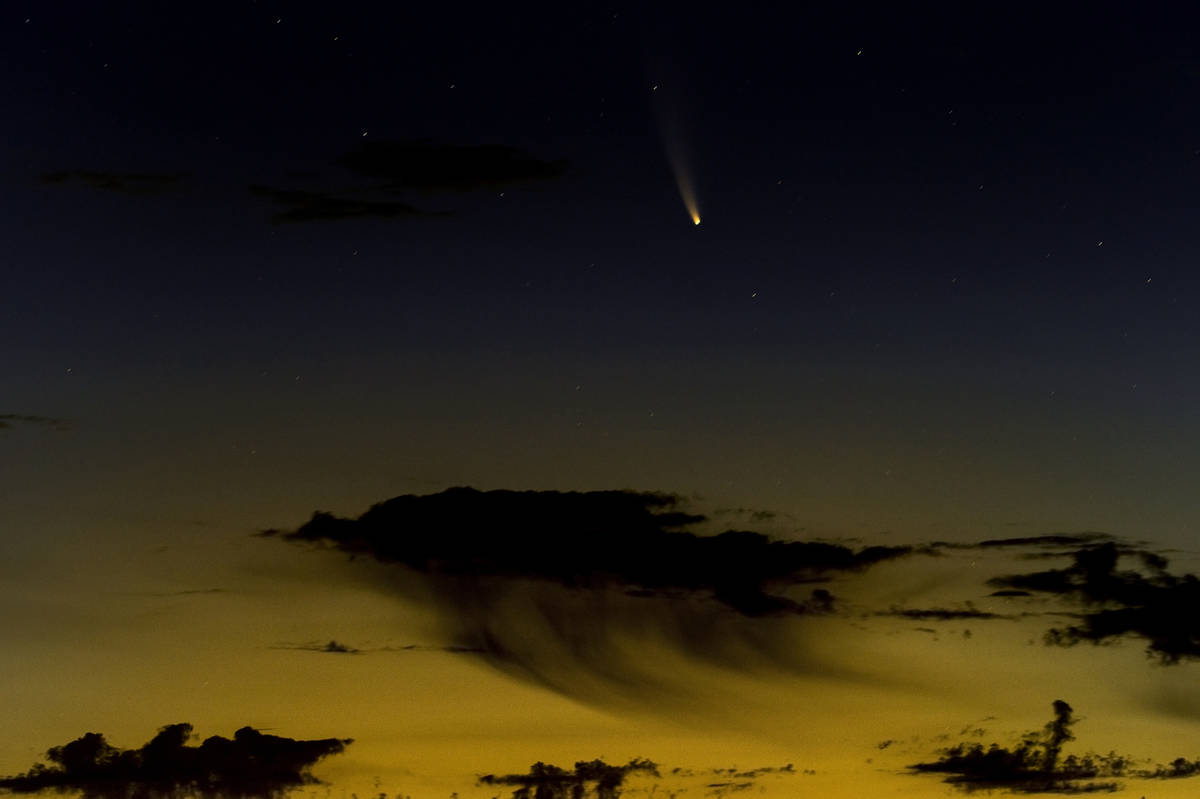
(674, 143)
(683, 180)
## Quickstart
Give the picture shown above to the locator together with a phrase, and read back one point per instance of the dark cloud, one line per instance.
(1177, 769)
(1035, 765)
(754, 773)
(137, 183)
(9, 420)
(390, 171)
(301, 205)
(252, 764)
(380, 178)
(593, 778)
(429, 166)
(338, 648)
(573, 590)
(588, 540)
(942, 614)
(1056, 540)
(1152, 604)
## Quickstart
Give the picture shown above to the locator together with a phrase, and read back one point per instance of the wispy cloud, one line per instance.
(328, 647)
(9, 420)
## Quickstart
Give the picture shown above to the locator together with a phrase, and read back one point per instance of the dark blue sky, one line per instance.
(964, 230)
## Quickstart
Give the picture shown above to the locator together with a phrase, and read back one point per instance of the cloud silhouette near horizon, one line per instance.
(1159, 607)
(1037, 765)
(567, 588)
(590, 778)
(252, 763)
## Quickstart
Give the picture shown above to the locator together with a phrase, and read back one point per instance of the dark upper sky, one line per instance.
(949, 225)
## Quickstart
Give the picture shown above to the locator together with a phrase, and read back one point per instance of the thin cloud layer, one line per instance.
(10, 420)
(593, 778)
(136, 183)
(943, 614)
(329, 647)
(252, 764)
(374, 180)
(394, 170)
(1152, 604)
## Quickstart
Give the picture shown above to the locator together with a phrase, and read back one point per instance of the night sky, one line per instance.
(929, 353)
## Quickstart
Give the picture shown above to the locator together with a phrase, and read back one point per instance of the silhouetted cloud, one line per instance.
(1057, 540)
(593, 778)
(9, 420)
(586, 540)
(429, 166)
(942, 614)
(753, 773)
(338, 648)
(1178, 768)
(252, 764)
(571, 590)
(301, 205)
(1035, 765)
(140, 183)
(1162, 608)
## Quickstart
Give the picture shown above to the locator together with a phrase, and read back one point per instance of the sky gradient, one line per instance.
(932, 340)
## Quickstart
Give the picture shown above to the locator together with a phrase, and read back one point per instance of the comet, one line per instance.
(676, 155)
(668, 115)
